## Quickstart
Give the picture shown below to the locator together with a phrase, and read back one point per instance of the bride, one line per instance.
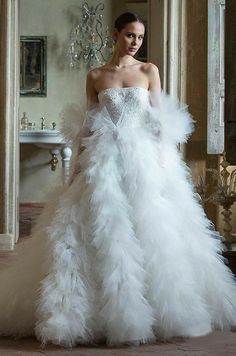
(125, 253)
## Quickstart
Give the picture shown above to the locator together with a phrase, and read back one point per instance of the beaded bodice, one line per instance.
(125, 105)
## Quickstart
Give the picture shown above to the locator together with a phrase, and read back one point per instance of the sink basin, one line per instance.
(52, 140)
(47, 137)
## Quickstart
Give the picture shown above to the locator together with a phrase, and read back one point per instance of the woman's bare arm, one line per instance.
(92, 97)
(154, 78)
(154, 84)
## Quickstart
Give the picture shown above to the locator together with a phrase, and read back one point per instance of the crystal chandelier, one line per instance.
(89, 44)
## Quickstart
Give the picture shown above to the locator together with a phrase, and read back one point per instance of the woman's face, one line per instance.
(130, 38)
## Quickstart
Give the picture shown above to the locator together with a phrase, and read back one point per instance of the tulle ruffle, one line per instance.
(125, 254)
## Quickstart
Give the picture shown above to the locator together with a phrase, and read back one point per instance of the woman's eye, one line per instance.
(130, 35)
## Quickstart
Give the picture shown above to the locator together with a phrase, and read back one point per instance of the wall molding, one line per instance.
(216, 82)
(166, 43)
(157, 36)
(9, 149)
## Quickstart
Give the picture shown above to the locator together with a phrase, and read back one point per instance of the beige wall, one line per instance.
(51, 18)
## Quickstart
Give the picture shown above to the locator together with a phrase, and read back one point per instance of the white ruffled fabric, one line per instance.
(125, 254)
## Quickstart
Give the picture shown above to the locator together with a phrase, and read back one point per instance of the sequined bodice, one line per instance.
(125, 105)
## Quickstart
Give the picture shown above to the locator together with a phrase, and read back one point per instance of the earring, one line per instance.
(113, 43)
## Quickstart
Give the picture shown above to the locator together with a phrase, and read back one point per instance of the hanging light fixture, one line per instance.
(90, 45)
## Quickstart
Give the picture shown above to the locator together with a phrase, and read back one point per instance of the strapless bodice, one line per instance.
(124, 105)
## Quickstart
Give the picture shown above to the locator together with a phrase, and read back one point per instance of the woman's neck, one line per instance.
(119, 61)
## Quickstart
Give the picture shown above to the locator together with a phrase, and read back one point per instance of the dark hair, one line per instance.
(126, 18)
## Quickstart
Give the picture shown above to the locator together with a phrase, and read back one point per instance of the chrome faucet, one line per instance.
(42, 123)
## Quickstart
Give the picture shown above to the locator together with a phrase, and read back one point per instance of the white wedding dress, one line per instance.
(125, 254)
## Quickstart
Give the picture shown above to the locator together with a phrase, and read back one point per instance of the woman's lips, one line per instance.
(132, 49)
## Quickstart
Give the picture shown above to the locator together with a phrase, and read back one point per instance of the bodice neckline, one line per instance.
(122, 88)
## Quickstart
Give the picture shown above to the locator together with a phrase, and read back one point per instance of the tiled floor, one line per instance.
(215, 344)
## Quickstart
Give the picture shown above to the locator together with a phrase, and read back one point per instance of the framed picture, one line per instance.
(33, 66)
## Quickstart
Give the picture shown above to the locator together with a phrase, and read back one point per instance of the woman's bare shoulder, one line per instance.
(152, 73)
(95, 72)
(150, 68)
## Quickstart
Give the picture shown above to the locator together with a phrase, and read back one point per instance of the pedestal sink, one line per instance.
(51, 140)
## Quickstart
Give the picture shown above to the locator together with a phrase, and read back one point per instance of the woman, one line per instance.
(130, 255)
(122, 70)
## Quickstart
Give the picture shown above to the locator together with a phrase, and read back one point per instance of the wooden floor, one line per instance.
(214, 344)
(29, 212)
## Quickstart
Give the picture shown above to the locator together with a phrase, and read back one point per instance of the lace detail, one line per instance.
(125, 105)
